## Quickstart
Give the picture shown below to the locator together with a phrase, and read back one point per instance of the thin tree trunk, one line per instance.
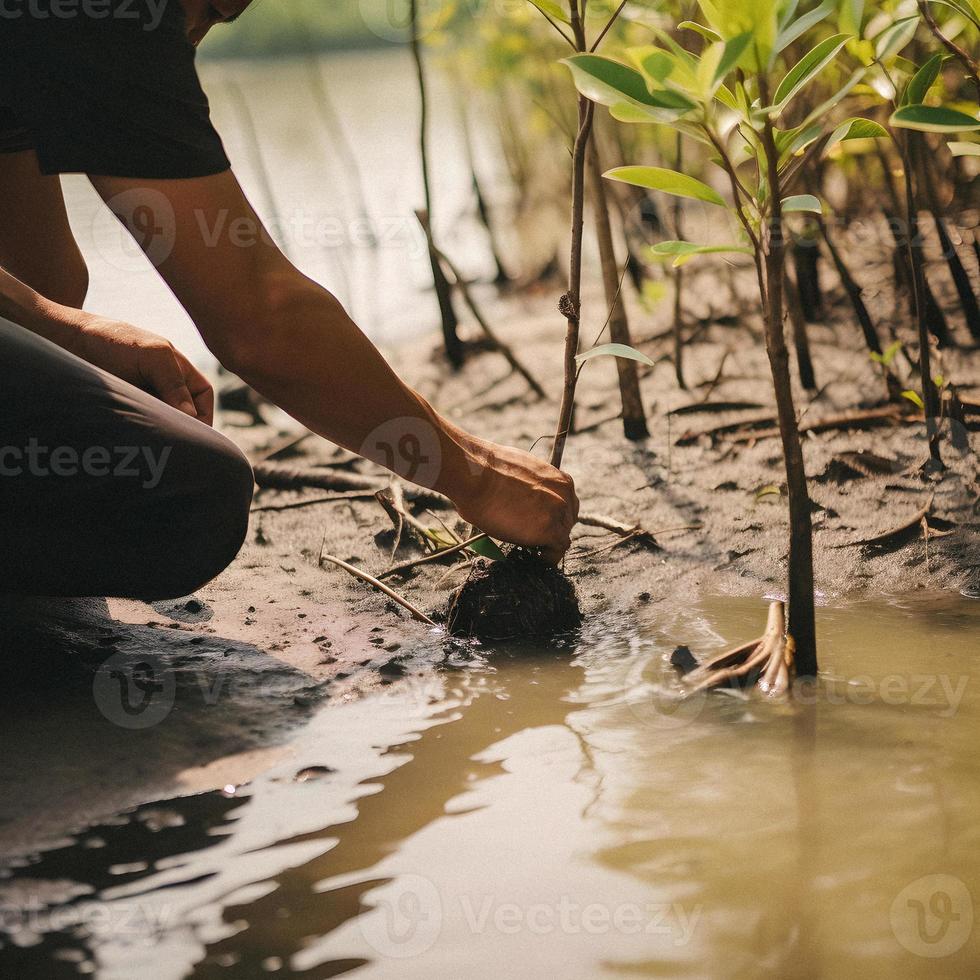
(797, 319)
(964, 289)
(482, 208)
(929, 394)
(570, 303)
(802, 615)
(634, 417)
(678, 322)
(454, 346)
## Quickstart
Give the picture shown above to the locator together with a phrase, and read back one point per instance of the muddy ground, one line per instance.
(239, 665)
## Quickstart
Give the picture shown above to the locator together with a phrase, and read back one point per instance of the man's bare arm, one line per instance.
(293, 341)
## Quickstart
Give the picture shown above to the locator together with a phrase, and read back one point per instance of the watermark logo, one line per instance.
(134, 693)
(407, 919)
(409, 447)
(138, 224)
(933, 916)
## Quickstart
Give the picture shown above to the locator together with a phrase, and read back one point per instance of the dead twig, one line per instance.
(905, 527)
(633, 532)
(380, 586)
(764, 427)
(408, 566)
(352, 495)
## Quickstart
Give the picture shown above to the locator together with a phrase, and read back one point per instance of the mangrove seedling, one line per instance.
(732, 99)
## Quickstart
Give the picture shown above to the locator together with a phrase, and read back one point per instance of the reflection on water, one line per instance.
(565, 812)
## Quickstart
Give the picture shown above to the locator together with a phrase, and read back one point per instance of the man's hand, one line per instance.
(521, 499)
(147, 361)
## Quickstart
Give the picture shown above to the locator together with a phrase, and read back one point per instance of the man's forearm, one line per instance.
(309, 358)
(22, 305)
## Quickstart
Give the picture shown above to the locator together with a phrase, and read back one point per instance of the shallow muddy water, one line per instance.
(532, 813)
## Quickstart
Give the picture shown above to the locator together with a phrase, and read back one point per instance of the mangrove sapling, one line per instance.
(699, 96)
(913, 117)
(453, 344)
(524, 596)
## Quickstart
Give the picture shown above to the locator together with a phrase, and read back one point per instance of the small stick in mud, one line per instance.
(380, 586)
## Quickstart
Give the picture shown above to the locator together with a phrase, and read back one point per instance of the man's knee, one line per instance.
(214, 517)
(225, 510)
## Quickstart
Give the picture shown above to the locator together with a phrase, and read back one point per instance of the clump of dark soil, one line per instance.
(518, 598)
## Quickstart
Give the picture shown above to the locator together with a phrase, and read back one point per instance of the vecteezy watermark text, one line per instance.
(123, 462)
(148, 12)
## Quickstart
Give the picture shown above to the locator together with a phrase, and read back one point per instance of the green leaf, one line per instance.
(756, 17)
(915, 398)
(808, 66)
(962, 8)
(610, 83)
(892, 39)
(888, 355)
(850, 17)
(921, 81)
(554, 10)
(668, 181)
(734, 49)
(959, 149)
(488, 548)
(934, 119)
(706, 32)
(683, 252)
(855, 128)
(802, 202)
(614, 350)
(801, 25)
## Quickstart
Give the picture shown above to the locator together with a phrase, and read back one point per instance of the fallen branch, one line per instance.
(352, 495)
(270, 476)
(380, 586)
(764, 426)
(886, 536)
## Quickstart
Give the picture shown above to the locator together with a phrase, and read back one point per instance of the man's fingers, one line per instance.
(199, 388)
(164, 377)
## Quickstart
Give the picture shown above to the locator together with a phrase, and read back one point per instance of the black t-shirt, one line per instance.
(104, 87)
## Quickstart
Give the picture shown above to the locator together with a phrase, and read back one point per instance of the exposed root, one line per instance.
(767, 662)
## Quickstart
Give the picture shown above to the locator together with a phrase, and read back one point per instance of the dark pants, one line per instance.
(104, 489)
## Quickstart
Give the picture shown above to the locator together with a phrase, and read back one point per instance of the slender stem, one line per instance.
(972, 69)
(454, 347)
(802, 618)
(914, 253)
(571, 303)
(634, 417)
